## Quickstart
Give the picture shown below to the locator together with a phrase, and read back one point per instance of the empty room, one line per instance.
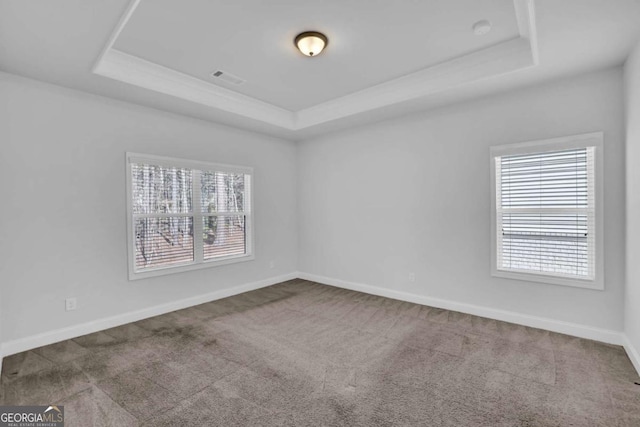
(320, 213)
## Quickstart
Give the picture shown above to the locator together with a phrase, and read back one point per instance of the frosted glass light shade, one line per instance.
(311, 43)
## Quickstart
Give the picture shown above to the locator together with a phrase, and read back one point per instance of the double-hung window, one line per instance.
(184, 215)
(547, 211)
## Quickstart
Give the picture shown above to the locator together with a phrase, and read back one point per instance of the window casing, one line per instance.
(547, 211)
(184, 215)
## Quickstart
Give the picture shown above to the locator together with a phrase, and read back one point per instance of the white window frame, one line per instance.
(596, 140)
(198, 262)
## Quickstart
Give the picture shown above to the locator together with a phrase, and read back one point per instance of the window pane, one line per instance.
(551, 180)
(224, 236)
(546, 243)
(546, 212)
(159, 189)
(163, 241)
(222, 192)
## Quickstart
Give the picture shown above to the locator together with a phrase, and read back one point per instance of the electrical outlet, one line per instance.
(272, 264)
(411, 277)
(71, 304)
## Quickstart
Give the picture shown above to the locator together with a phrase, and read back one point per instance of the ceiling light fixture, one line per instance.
(311, 43)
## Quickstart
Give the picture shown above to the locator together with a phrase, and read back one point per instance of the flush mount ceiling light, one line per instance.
(311, 43)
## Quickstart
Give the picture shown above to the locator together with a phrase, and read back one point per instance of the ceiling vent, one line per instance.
(227, 78)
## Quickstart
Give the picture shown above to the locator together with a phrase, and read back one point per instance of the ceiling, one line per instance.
(369, 41)
(384, 58)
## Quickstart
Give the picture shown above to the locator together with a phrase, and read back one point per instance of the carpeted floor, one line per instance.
(304, 354)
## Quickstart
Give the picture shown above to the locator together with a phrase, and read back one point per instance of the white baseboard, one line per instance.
(633, 353)
(588, 332)
(45, 338)
(574, 329)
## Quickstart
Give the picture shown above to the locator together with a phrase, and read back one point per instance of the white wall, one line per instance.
(63, 221)
(412, 195)
(632, 298)
(373, 203)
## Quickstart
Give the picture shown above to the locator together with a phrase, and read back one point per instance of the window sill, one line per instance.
(163, 271)
(596, 285)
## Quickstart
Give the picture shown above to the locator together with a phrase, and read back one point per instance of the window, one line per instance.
(547, 211)
(184, 215)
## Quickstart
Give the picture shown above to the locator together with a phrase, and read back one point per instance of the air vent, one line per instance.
(227, 78)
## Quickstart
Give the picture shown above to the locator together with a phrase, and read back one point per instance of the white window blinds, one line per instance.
(545, 213)
(183, 215)
(223, 212)
(162, 214)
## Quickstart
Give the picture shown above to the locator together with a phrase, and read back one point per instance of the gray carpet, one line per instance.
(304, 354)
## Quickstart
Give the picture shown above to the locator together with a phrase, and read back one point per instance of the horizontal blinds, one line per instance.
(222, 198)
(555, 180)
(546, 213)
(167, 212)
(162, 242)
(224, 236)
(222, 192)
(158, 189)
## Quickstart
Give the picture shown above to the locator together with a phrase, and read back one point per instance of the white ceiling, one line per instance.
(159, 53)
(370, 42)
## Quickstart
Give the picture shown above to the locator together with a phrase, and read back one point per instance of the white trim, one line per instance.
(593, 139)
(588, 332)
(186, 163)
(566, 142)
(573, 329)
(139, 72)
(190, 266)
(632, 352)
(45, 338)
(131, 7)
(533, 276)
(508, 56)
(526, 16)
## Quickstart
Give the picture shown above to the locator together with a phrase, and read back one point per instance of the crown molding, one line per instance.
(509, 56)
(131, 69)
(500, 59)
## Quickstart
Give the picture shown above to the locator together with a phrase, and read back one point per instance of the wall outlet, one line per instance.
(411, 277)
(71, 304)
(272, 264)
